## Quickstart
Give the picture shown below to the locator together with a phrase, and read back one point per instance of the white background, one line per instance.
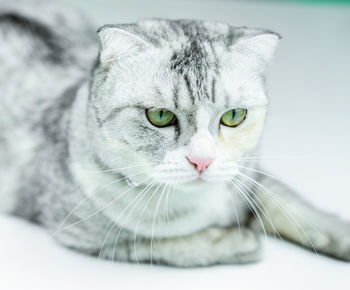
(306, 142)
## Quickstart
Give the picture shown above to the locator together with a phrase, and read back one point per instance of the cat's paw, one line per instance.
(240, 246)
(340, 242)
(335, 241)
(342, 249)
(211, 246)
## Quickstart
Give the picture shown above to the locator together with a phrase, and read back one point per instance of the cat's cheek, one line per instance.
(237, 141)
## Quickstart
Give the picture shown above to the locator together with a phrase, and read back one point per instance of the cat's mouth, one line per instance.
(177, 177)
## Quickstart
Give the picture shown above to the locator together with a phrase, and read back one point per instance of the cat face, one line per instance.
(179, 101)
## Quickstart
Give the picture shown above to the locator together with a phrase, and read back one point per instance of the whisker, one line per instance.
(166, 211)
(58, 230)
(154, 220)
(103, 207)
(283, 207)
(116, 221)
(261, 208)
(271, 157)
(126, 218)
(121, 168)
(280, 180)
(105, 240)
(265, 173)
(236, 213)
(250, 205)
(138, 223)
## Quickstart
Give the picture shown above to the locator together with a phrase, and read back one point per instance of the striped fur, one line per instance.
(82, 159)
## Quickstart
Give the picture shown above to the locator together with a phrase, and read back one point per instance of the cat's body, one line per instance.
(80, 157)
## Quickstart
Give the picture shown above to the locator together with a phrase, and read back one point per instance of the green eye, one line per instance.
(233, 118)
(160, 118)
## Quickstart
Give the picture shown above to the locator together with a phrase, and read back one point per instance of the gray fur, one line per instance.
(60, 124)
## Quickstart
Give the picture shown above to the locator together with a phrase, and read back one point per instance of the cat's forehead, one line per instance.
(187, 92)
(190, 64)
(168, 81)
(210, 89)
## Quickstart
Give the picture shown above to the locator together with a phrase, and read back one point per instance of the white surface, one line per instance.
(307, 133)
(31, 260)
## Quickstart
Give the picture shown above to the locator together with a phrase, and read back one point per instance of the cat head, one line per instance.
(179, 102)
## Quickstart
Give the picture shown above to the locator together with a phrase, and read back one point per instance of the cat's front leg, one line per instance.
(208, 247)
(295, 219)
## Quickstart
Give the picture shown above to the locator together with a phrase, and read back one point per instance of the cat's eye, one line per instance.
(233, 118)
(160, 118)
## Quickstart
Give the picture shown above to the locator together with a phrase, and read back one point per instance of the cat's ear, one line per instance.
(117, 43)
(261, 45)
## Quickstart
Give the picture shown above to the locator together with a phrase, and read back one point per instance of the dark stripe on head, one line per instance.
(216, 61)
(176, 96)
(213, 90)
(189, 89)
(177, 132)
(193, 58)
(180, 61)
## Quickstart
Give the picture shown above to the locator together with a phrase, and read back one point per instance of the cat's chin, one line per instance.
(199, 181)
(194, 186)
(219, 175)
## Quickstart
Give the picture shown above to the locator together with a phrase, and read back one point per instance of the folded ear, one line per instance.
(117, 43)
(261, 45)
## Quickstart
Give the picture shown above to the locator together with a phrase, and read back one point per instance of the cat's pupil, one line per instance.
(233, 114)
(161, 114)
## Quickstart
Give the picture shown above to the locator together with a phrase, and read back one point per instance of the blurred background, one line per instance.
(306, 142)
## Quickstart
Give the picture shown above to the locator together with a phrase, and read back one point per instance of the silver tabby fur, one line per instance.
(79, 156)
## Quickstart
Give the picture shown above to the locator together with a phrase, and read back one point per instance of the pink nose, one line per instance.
(200, 163)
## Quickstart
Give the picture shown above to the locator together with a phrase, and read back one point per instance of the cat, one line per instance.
(138, 145)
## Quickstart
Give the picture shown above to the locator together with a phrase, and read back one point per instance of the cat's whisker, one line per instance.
(264, 173)
(155, 219)
(140, 197)
(236, 213)
(58, 230)
(261, 207)
(280, 180)
(270, 157)
(284, 209)
(169, 193)
(166, 211)
(105, 240)
(250, 205)
(275, 198)
(164, 206)
(115, 221)
(103, 207)
(252, 160)
(121, 168)
(139, 221)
